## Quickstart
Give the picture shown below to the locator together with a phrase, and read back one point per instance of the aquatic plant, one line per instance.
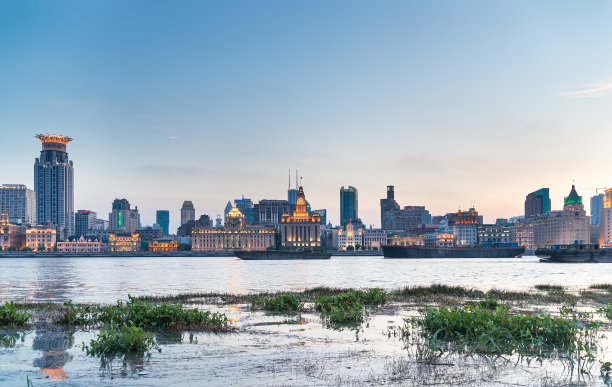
(606, 311)
(606, 287)
(550, 288)
(434, 290)
(286, 302)
(348, 307)
(112, 341)
(488, 303)
(73, 315)
(11, 316)
(143, 314)
(9, 340)
(571, 337)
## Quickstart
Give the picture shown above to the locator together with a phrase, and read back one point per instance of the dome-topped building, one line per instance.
(573, 201)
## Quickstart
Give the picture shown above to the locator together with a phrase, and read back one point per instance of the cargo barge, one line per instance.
(282, 255)
(392, 251)
(577, 253)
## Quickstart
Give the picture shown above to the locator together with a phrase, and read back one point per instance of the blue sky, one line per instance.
(454, 103)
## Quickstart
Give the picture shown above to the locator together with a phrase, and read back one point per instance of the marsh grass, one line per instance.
(550, 288)
(142, 314)
(472, 329)
(606, 311)
(606, 287)
(12, 316)
(282, 303)
(113, 341)
(349, 307)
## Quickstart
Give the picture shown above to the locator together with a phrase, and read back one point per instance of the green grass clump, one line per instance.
(348, 307)
(286, 302)
(488, 303)
(112, 341)
(73, 315)
(550, 288)
(11, 316)
(572, 336)
(606, 287)
(607, 311)
(434, 290)
(145, 315)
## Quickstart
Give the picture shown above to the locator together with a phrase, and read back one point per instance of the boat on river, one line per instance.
(394, 251)
(576, 253)
(282, 254)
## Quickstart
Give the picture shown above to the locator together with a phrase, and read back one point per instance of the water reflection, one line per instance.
(53, 345)
(10, 339)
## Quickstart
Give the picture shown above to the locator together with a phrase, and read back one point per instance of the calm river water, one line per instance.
(107, 279)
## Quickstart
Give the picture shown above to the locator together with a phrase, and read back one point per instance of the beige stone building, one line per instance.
(568, 226)
(124, 243)
(235, 235)
(301, 229)
(80, 246)
(605, 218)
(41, 238)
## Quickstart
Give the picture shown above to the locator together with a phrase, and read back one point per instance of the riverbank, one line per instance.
(302, 345)
(149, 254)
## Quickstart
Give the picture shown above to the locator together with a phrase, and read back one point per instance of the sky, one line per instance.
(455, 103)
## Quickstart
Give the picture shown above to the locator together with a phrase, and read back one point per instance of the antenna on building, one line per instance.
(300, 181)
(289, 185)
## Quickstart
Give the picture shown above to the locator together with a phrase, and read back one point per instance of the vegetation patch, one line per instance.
(606, 287)
(434, 290)
(11, 316)
(550, 288)
(145, 315)
(113, 341)
(572, 336)
(607, 311)
(348, 307)
(488, 303)
(286, 302)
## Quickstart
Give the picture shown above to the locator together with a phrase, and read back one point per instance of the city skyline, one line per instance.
(454, 104)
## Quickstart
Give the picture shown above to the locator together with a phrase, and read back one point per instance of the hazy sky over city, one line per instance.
(453, 102)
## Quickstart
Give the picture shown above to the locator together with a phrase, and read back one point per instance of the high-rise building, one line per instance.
(19, 203)
(568, 226)
(187, 212)
(392, 217)
(323, 214)
(54, 183)
(271, 211)
(84, 220)
(162, 217)
(596, 206)
(605, 221)
(348, 205)
(537, 203)
(123, 218)
(246, 206)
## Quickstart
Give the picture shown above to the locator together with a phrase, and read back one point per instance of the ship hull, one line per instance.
(585, 256)
(451, 252)
(281, 255)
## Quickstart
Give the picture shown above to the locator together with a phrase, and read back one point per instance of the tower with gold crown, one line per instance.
(54, 184)
(301, 229)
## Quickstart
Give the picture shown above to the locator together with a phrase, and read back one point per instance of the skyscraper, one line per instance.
(19, 203)
(123, 218)
(348, 205)
(537, 203)
(605, 225)
(187, 212)
(54, 183)
(596, 206)
(83, 221)
(162, 218)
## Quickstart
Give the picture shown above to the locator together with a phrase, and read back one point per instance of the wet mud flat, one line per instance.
(295, 348)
